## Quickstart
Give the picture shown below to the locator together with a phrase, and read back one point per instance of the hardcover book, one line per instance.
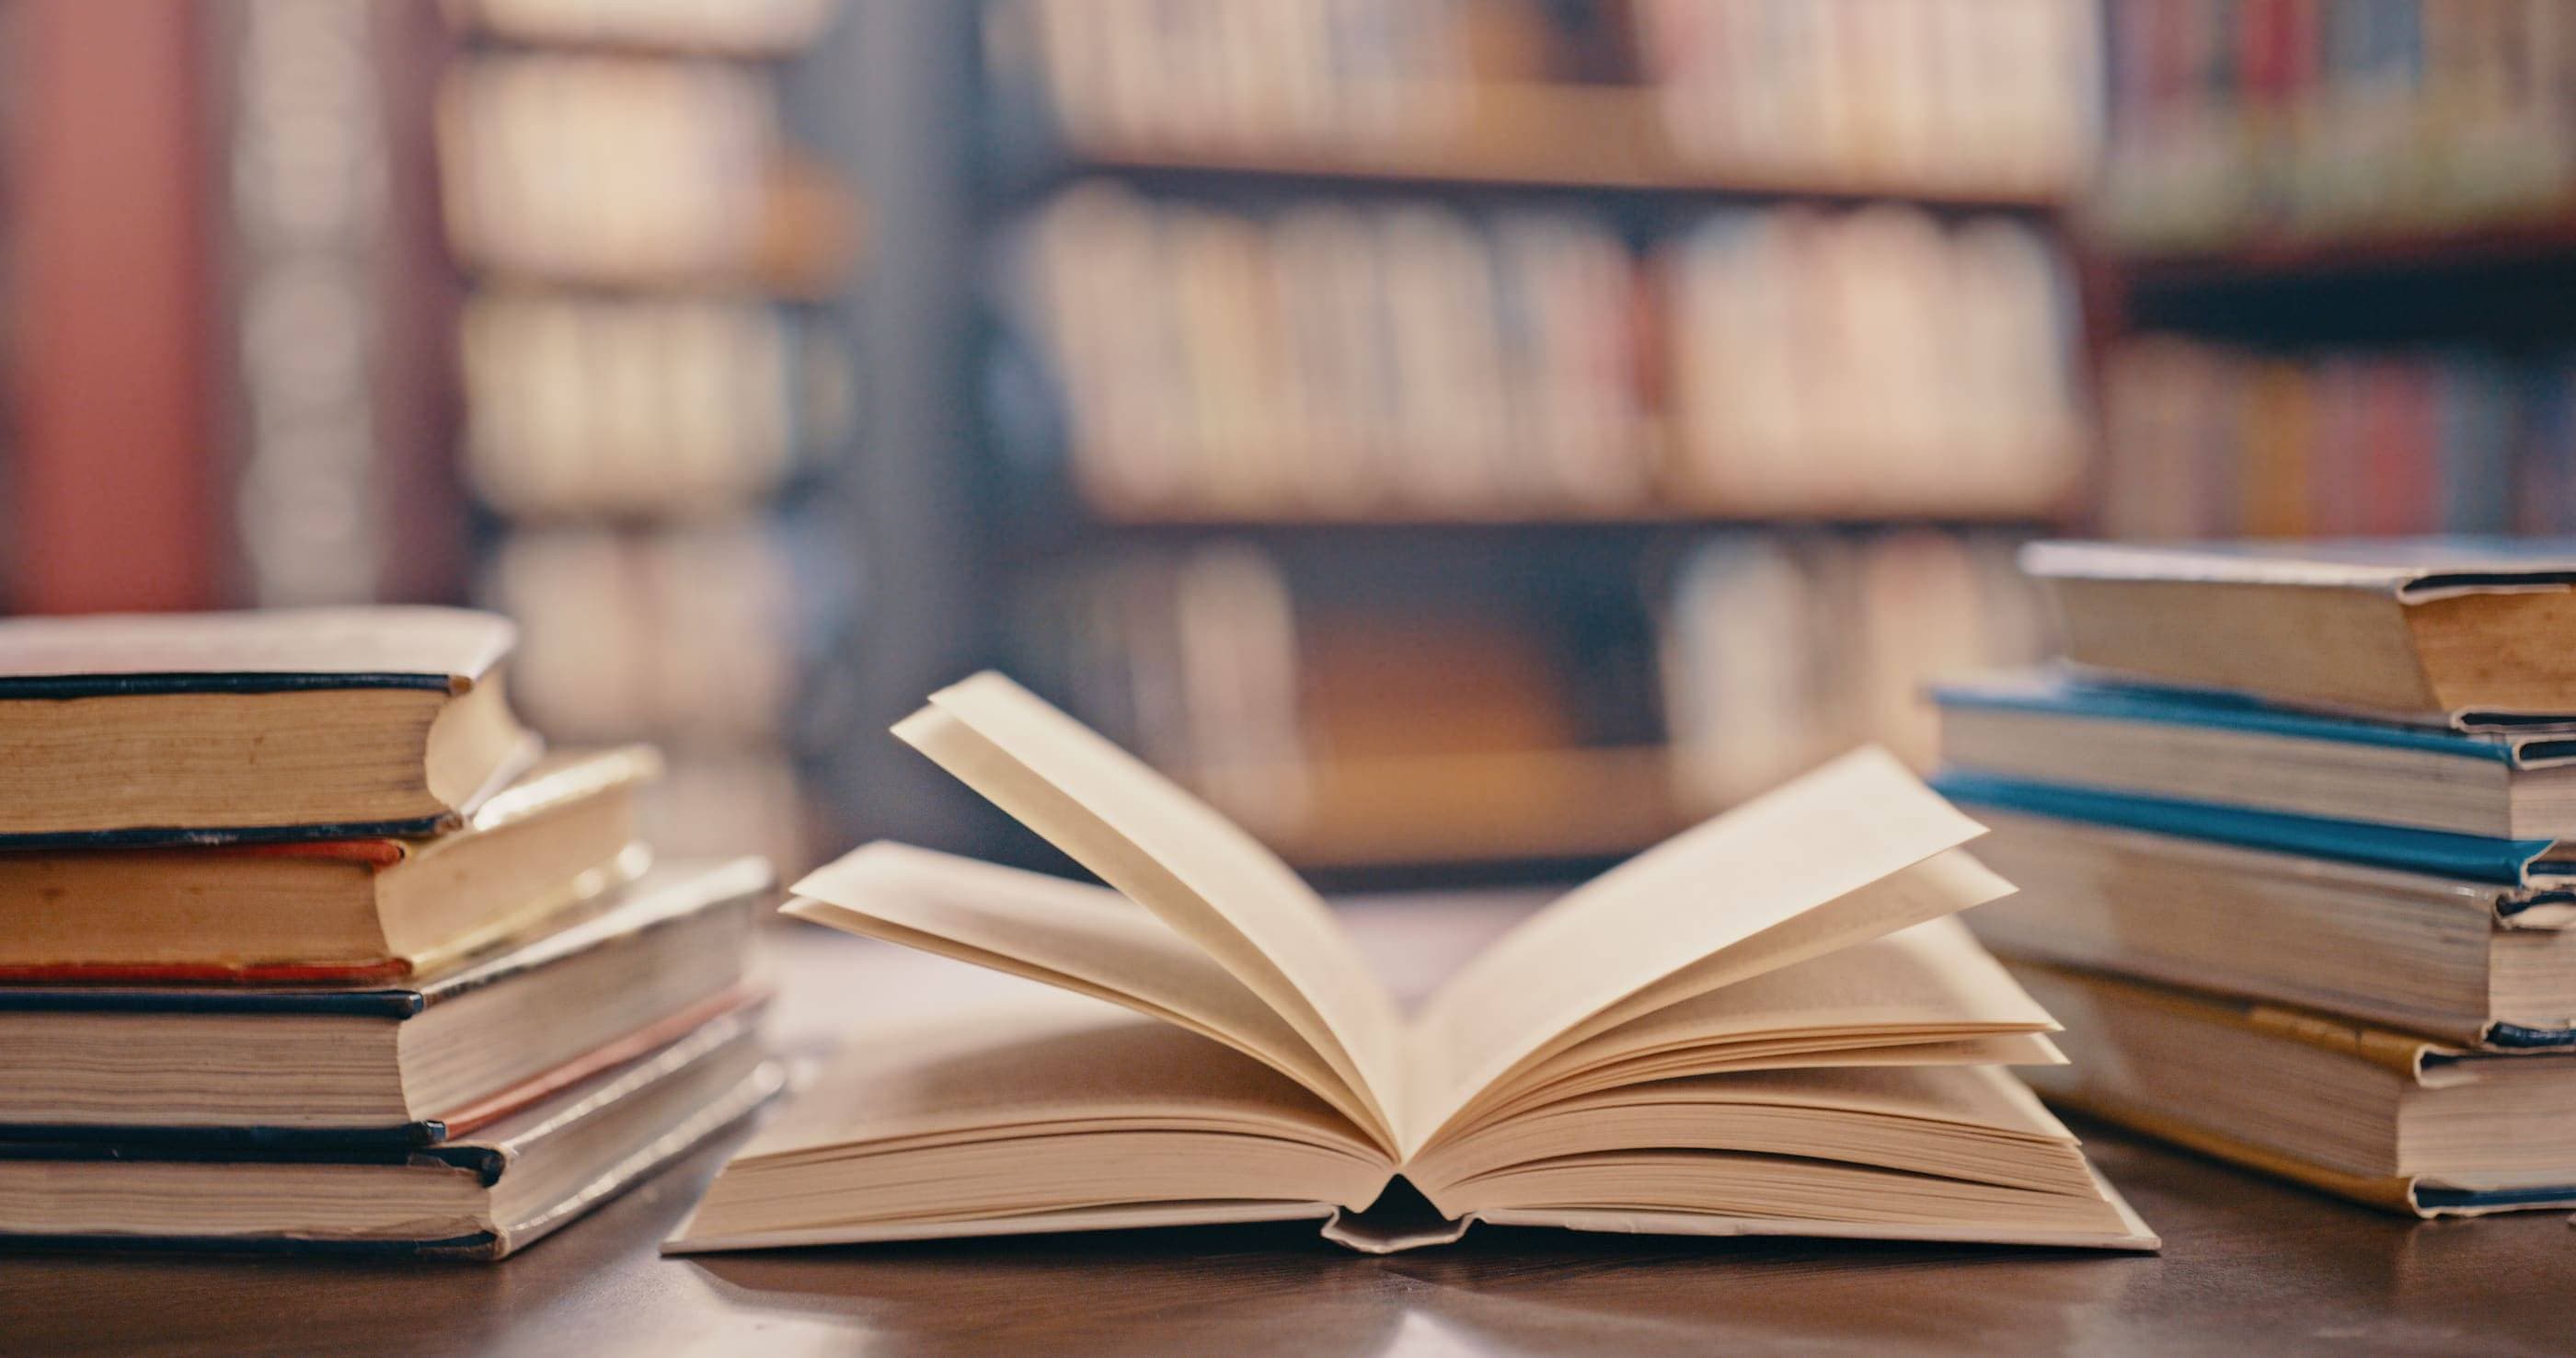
(340, 911)
(2159, 742)
(490, 1194)
(1768, 1025)
(2467, 632)
(2390, 1119)
(301, 1065)
(2476, 963)
(226, 727)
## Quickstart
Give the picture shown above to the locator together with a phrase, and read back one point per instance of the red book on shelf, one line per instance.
(2400, 461)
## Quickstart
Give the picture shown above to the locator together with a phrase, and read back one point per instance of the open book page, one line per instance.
(1973, 1123)
(1826, 836)
(1031, 1103)
(1083, 938)
(1164, 848)
(1024, 1060)
(1918, 996)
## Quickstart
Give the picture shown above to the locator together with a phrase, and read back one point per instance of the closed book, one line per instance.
(2043, 726)
(2386, 1118)
(2474, 963)
(283, 1064)
(485, 1196)
(2466, 632)
(229, 727)
(2541, 864)
(339, 911)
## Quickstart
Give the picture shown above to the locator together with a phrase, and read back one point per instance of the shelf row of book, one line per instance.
(635, 171)
(2202, 440)
(2254, 121)
(1340, 360)
(644, 397)
(673, 406)
(1991, 97)
(2290, 842)
(1355, 721)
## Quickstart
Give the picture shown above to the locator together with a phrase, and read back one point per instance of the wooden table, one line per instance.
(2250, 1266)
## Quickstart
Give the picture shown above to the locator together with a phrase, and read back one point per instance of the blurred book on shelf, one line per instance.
(628, 171)
(1783, 650)
(2267, 121)
(656, 406)
(649, 397)
(2202, 440)
(1368, 729)
(1872, 363)
(1415, 361)
(1987, 98)
(689, 635)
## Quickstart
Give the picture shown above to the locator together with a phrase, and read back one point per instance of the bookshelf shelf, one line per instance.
(1289, 387)
(2544, 241)
(1618, 521)
(1587, 139)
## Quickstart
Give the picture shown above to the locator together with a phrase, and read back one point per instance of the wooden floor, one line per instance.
(2250, 1266)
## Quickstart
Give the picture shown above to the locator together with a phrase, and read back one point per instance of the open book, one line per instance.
(1767, 1025)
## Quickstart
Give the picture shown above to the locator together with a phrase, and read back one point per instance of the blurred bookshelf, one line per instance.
(657, 386)
(1478, 438)
(2338, 238)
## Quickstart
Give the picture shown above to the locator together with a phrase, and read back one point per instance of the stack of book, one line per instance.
(2293, 839)
(308, 943)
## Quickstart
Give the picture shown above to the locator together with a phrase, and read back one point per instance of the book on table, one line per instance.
(2388, 1118)
(224, 727)
(2463, 632)
(335, 911)
(2050, 727)
(484, 1191)
(1768, 1025)
(283, 1064)
(2467, 937)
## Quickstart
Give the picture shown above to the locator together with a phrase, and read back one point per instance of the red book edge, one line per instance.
(208, 973)
(643, 1041)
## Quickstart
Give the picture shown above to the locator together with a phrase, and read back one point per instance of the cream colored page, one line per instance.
(1939, 886)
(1085, 938)
(1164, 848)
(1825, 836)
(1930, 978)
(1028, 1059)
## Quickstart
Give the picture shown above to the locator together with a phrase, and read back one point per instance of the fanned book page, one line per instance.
(1768, 1025)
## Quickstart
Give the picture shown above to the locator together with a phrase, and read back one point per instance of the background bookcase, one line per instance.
(656, 403)
(2339, 245)
(1528, 659)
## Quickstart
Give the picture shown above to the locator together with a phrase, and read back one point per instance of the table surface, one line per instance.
(2249, 1265)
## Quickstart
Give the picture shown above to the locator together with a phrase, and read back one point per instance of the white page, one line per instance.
(1146, 836)
(1084, 938)
(1857, 820)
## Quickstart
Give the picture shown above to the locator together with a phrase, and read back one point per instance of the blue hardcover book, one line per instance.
(2476, 858)
(2233, 752)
